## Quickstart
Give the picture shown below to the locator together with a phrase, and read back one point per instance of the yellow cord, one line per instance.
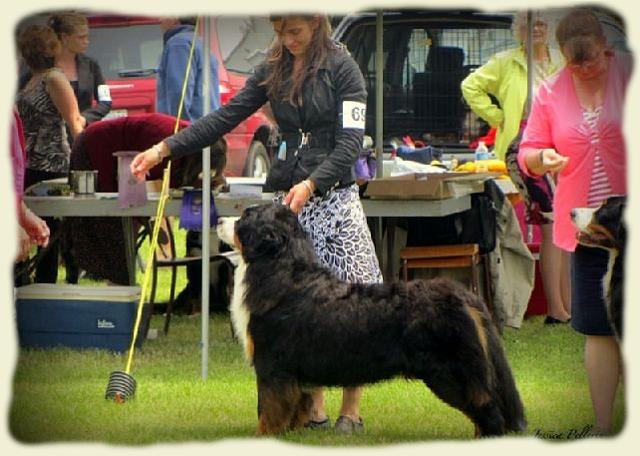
(164, 196)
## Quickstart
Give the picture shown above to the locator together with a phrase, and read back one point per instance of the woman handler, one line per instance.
(317, 95)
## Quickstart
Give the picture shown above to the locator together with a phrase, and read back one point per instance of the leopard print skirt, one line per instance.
(337, 226)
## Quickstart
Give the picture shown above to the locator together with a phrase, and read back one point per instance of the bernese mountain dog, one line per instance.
(306, 328)
(604, 228)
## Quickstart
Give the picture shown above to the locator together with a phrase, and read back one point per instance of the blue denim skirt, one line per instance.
(588, 309)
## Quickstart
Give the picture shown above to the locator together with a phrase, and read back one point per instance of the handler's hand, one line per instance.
(552, 161)
(35, 227)
(299, 195)
(144, 161)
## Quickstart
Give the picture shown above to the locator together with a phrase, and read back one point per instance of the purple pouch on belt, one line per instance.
(365, 167)
(361, 169)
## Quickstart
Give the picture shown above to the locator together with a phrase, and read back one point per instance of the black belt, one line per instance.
(325, 140)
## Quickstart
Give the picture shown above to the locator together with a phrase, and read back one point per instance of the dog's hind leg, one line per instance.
(470, 398)
(278, 404)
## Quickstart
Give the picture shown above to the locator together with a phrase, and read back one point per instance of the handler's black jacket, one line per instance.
(89, 78)
(332, 150)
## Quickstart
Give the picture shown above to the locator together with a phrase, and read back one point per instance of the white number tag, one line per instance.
(103, 93)
(354, 114)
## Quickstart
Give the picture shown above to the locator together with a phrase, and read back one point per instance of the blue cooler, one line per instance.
(53, 315)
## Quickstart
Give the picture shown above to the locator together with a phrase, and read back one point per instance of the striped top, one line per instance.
(599, 189)
(45, 134)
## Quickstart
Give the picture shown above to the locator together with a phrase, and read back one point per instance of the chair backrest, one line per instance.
(167, 238)
(172, 242)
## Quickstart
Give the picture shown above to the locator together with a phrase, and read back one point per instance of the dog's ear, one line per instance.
(284, 215)
(260, 239)
(611, 216)
(300, 245)
(620, 232)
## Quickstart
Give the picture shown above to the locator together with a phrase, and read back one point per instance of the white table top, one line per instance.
(106, 205)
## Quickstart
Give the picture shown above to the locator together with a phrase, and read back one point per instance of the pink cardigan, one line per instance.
(556, 122)
(18, 156)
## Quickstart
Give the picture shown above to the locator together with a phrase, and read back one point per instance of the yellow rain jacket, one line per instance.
(505, 77)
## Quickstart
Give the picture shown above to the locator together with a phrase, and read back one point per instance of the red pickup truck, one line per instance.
(128, 49)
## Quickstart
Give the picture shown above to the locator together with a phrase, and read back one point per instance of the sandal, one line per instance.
(347, 425)
(554, 321)
(318, 424)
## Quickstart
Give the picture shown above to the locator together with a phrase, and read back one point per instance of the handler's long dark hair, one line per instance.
(280, 59)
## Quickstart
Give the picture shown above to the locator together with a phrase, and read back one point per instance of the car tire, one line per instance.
(257, 163)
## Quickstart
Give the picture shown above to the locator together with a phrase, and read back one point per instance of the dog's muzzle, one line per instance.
(582, 216)
(226, 230)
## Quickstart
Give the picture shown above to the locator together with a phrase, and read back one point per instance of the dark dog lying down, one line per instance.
(604, 228)
(310, 328)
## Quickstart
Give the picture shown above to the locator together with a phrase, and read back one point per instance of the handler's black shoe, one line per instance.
(322, 424)
(346, 425)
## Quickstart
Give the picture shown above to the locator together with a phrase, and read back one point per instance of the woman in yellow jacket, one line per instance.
(505, 77)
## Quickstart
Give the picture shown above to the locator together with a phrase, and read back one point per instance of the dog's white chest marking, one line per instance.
(239, 312)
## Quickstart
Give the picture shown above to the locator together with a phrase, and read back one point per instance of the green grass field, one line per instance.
(58, 394)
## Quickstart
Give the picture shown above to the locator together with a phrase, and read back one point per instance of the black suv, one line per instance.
(427, 54)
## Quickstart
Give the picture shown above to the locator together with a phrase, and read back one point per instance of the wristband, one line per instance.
(307, 184)
(541, 157)
(158, 152)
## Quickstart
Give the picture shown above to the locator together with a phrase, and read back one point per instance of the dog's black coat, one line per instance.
(607, 230)
(310, 328)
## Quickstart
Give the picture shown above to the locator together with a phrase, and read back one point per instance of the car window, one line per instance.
(478, 44)
(424, 64)
(121, 49)
(244, 41)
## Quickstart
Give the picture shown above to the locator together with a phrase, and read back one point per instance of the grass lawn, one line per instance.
(58, 394)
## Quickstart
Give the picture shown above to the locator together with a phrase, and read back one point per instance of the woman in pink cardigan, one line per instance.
(575, 130)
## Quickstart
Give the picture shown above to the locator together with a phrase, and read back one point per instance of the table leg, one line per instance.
(375, 226)
(391, 241)
(129, 248)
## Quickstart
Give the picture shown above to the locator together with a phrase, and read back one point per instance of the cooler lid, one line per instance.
(78, 292)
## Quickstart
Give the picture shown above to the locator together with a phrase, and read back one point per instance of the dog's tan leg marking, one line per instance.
(262, 427)
(250, 348)
(477, 321)
(302, 415)
(480, 398)
(278, 409)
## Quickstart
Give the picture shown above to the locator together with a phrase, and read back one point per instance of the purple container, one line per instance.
(131, 192)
